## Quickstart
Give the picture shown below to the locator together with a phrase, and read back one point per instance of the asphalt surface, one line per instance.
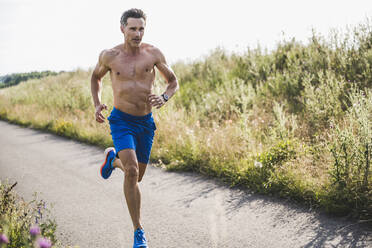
(178, 209)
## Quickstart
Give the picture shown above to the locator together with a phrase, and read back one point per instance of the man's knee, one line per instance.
(132, 171)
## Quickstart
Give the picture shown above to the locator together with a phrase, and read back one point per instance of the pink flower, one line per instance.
(35, 230)
(44, 243)
(3, 239)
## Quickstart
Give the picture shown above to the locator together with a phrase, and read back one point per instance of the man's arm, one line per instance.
(169, 76)
(96, 86)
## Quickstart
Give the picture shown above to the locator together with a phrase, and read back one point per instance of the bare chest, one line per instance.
(138, 68)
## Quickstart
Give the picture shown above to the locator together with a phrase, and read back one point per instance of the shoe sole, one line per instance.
(106, 152)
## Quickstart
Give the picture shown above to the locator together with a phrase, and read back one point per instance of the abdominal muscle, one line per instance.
(131, 97)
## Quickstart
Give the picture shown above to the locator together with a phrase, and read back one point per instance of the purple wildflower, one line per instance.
(44, 243)
(3, 239)
(35, 230)
(39, 211)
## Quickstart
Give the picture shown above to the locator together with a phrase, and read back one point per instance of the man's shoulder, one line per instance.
(151, 49)
(108, 54)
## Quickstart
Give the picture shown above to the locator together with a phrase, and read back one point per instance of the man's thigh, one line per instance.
(128, 158)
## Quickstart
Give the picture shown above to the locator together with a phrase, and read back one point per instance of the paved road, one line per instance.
(179, 209)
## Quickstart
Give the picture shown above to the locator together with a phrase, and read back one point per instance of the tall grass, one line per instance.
(294, 122)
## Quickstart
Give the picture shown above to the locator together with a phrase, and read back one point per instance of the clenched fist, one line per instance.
(156, 101)
(99, 117)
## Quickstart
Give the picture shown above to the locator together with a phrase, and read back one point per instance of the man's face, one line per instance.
(133, 31)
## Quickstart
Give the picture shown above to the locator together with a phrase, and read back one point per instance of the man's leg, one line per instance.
(141, 166)
(118, 164)
(132, 193)
(142, 169)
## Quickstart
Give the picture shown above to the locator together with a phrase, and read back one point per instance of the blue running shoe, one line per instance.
(107, 167)
(140, 239)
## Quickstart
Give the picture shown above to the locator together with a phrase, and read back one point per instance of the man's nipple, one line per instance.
(118, 73)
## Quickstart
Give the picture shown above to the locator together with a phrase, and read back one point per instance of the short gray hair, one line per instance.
(134, 13)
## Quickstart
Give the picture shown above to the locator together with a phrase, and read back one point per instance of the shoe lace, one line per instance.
(140, 237)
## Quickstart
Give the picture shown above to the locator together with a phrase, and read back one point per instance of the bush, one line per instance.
(323, 100)
(351, 145)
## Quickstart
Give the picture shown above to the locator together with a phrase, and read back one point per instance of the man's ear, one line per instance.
(122, 28)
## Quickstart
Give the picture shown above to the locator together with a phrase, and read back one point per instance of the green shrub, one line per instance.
(323, 101)
(351, 146)
(277, 154)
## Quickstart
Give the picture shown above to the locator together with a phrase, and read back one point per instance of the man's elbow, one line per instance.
(176, 85)
(94, 79)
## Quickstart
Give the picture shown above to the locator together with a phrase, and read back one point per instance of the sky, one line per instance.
(66, 35)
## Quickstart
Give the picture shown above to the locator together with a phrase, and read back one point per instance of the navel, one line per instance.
(118, 73)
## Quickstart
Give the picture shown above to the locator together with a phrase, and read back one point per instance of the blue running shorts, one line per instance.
(132, 132)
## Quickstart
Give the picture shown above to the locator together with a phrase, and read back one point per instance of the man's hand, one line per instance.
(156, 101)
(99, 117)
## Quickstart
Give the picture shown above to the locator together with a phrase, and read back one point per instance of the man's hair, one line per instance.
(134, 13)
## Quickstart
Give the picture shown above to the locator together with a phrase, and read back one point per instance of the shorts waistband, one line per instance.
(127, 116)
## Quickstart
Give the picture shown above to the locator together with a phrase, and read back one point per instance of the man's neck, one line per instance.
(130, 49)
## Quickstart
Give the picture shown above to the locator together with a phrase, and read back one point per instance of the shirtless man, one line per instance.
(132, 71)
